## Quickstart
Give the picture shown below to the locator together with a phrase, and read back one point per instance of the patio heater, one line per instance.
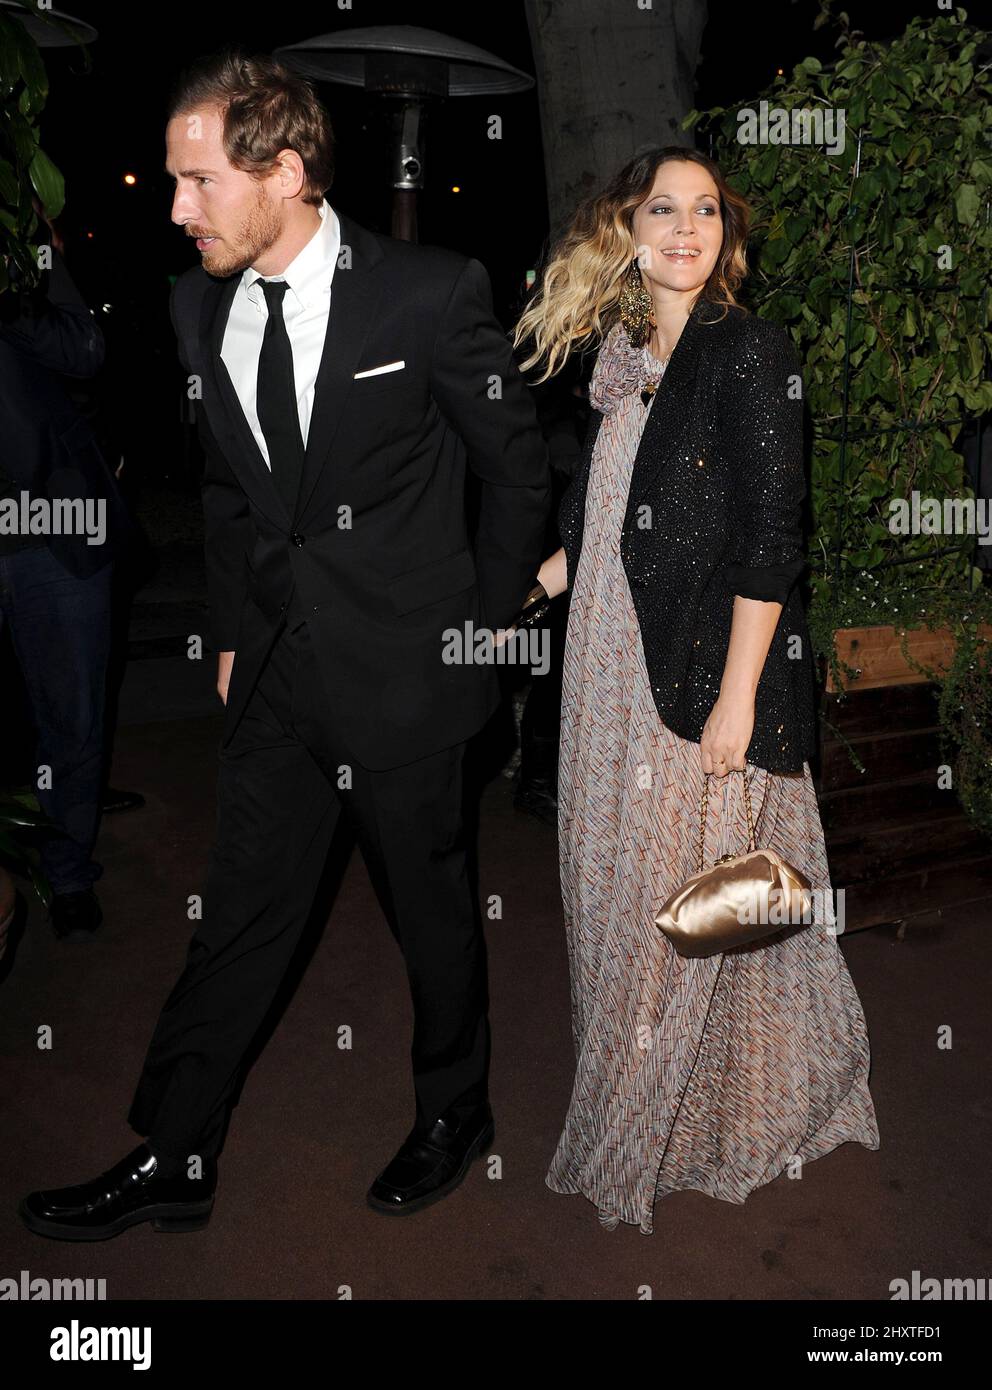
(411, 70)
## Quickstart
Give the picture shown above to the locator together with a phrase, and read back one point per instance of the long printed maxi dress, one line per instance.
(688, 1075)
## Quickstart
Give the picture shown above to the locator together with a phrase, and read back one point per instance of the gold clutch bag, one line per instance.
(741, 899)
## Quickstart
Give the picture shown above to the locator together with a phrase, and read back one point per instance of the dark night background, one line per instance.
(123, 251)
(101, 124)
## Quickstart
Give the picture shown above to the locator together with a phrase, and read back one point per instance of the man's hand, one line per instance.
(225, 661)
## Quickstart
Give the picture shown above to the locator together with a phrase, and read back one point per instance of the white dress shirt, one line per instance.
(305, 308)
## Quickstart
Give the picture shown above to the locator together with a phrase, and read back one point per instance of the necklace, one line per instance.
(650, 381)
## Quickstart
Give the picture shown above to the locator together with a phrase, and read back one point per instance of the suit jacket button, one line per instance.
(297, 539)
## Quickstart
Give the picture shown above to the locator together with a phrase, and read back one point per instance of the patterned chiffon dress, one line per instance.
(688, 1075)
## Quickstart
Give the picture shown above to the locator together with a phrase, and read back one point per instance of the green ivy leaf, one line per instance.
(966, 203)
(47, 183)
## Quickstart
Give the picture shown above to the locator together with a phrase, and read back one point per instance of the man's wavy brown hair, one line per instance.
(265, 108)
(579, 296)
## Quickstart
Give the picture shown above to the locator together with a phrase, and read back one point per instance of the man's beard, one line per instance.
(261, 229)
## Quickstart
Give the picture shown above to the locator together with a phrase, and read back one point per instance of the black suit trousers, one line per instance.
(278, 804)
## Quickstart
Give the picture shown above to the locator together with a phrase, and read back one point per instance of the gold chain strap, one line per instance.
(703, 806)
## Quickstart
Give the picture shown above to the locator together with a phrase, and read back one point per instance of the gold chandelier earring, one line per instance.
(636, 308)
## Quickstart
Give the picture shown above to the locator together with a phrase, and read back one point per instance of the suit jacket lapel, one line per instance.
(355, 297)
(354, 300)
(244, 455)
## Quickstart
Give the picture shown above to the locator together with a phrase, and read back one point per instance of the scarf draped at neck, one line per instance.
(620, 370)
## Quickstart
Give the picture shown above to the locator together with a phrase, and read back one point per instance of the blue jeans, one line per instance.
(60, 628)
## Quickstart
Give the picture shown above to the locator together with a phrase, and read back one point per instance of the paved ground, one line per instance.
(316, 1123)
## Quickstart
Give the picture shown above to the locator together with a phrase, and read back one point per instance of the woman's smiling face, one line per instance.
(678, 230)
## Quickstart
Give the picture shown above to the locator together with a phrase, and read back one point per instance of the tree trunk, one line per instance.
(612, 79)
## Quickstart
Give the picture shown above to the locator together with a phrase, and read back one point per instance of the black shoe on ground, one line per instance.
(133, 1191)
(75, 916)
(116, 800)
(432, 1162)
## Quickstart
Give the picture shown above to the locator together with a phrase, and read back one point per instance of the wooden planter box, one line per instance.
(876, 654)
(898, 842)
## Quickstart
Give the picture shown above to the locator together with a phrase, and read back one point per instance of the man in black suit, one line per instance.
(344, 381)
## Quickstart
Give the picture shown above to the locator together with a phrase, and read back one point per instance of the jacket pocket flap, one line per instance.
(433, 582)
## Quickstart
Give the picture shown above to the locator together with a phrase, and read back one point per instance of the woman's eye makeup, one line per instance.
(667, 207)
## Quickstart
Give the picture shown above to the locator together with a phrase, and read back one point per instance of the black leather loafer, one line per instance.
(431, 1163)
(132, 1191)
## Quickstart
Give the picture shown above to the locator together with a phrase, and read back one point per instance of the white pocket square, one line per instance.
(377, 371)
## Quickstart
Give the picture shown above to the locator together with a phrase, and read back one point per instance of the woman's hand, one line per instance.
(726, 734)
(553, 578)
(534, 608)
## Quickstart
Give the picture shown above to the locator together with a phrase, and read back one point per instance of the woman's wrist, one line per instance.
(553, 574)
(533, 609)
(739, 687)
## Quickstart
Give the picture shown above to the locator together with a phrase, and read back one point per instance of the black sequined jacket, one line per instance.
(714, 510)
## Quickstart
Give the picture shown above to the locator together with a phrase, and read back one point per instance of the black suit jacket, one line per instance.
(713, 511)
(49, 448)
(378, 546)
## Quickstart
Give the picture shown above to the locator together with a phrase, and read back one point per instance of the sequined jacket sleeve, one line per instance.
(763, 421)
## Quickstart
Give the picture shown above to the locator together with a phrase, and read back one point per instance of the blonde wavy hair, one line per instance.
(579, 296)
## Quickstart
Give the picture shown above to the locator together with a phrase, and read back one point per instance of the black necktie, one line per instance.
(275, 400)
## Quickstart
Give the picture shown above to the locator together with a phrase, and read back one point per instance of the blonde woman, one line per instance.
(687, 657)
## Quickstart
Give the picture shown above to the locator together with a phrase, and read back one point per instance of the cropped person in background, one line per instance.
(55, 588)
